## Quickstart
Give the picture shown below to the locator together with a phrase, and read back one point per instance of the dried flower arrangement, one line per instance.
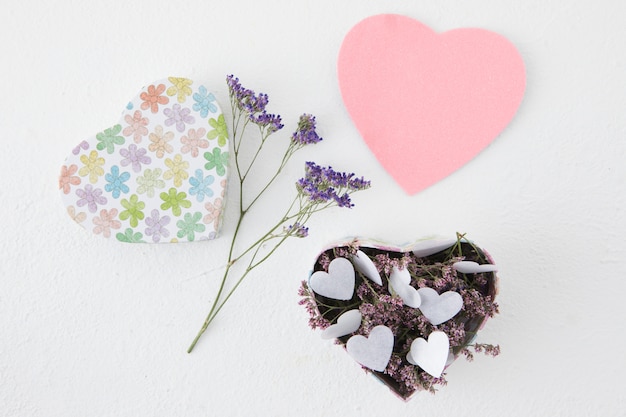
(321, 187)
(460, 269)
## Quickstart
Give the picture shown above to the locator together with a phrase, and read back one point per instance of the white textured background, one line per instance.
(90, 327)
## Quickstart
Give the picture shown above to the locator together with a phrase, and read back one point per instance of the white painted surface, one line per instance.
(93, 328)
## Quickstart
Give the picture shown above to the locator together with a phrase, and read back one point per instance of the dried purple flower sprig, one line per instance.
(379, 307)
(319, 189)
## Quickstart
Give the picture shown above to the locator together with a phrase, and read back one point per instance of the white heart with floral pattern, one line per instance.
(159, 174)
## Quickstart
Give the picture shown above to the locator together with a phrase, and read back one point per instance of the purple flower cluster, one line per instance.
(323, 184)
(253, 105)
(297, 230)
(305, 134)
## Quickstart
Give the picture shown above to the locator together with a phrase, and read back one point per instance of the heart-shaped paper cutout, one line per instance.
(379, 307)
(348, 322)
(427, 103)
(365, 266)
(469, 267)
(337, 283)
(430, 355)
(373, 351)
(400, 281)
(159, 174)
(439, 308)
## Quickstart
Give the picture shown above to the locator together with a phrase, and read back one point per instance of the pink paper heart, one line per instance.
(427, 103)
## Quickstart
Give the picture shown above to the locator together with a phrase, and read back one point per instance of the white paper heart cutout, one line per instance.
(428, 247)
(439, 308)
(373, 351)
(426, 103)
(365, 266)
(337, 283)
(400, 281)
(470, 267)
(348, 322)
(431, 355)
(159, 174)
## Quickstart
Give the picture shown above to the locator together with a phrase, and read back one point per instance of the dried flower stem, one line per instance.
(320, 189)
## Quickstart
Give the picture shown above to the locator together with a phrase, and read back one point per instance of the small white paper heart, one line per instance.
(439, 308)
(337, 283)
(374, 351)
(365, 266)
(470, 267)
(400, 281)
(430, 355)
(429, 247)
(348, 322)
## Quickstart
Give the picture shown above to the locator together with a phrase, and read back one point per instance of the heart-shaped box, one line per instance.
(406, 340)
(159, 174)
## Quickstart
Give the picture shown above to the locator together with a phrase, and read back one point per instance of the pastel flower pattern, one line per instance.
(90, 197)
(200, 185)
(177, 170)
(157, 226)
(189, 226)
(193, 141)
(152, 98)
(174, 200)
(105, 222)
(93, 166)
(178, 116)
(116, 182)
(180, 87)
(159, 174)
(67, 178)
(214, 210)
(133, 212)
(150, 181)
(160, 140)
(204, 102)
(136, 126)
(217, 160)
(109, 138)
(135, 157)
(219, 131)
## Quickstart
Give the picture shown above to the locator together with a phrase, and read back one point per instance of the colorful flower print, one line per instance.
(219, 131)
(106, 222)
(223, 183)
(150, 181)
(146, 171)
(116, 181)
(135, 157)
(204, 102)
(200, 185)
(77, 217)
(129, 236)
(152, 98)
(90, 197)
(67, 178)
(214, 210)
(160, 141)
(133, 211)
(93, 166)
(189, 226)
(156, 226)
(179, 88)
(217, 160)
(109, 138)
(178, 116)
(176, 170)
(136, 126)
(174, 200)
(193, 141)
